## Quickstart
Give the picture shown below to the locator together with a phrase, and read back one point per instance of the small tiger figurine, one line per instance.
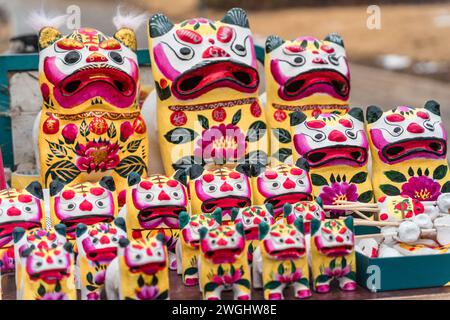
(333, 254)
(251, 217)
(86, 203)
(47, 273)
(281, 260)
(188, 245)
(153, 206)
(305, 209)
(305, 74)
(337, 150)
(281, 184)
(40, 238)
(97, 246)
(223, 188)
(223, 263)
(398, 208)
(409, 151)
(18, 208)
(140, 271)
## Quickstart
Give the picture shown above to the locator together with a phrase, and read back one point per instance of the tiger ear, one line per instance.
(133, 178)
(108, 183)
(240, 229)
(120, 223)
(124, 242)
(299, 225)
(234, 213)
(263, 230)
(319, 202)
(81, 228)
(357, 113)
(297, 118)
(161, 238)
(335, 38)
(433, 107)
(315, 225)
(349, 223)
(159, 25)
(18, 233)
(237, 17)
(217, 215)
(127, 37)
(183, 217)
(55, 187)
(47, 36)
(302, 163)
(287, 209)
(60, 229)
(269, 208)
(273, 42)
(202, 232)
(68, 246)
(373, 113)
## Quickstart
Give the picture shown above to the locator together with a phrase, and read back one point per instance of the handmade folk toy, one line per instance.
(90, 124)
(188, 245)
(333, 254)
(409, 151)
(153, 206)
(307, 210)
(223, 262)
(97, 246)
(18, 208)
(223, 188)
(207, 81)
(140, 271)
(281, 184)
(86, 202)
(398, 208)
(251, 217)
(305, 74)
(336, 149)
(281, 260)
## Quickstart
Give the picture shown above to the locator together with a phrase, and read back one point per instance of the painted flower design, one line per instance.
(339, 191)
(97, 156)
(228, 279)
(93, 296)
(289, 278)
(221, 143)
(421, 188)
(337, 271)
(147, 292)
(100, 277)
(53, 296)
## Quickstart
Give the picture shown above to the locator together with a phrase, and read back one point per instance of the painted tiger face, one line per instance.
(223, 244)
(251, 217)
(284, 240)
(284, 184)
(308, 66)
(20, 208)
(331, 139)
(404, 133)
(191, 224)
(99, 242)
(41, 238)
(200, 55)
(88, 66)
(398, 208)
(308, 210)
(222, 188)
(333, 237)
(158, 200)
(87, 203)
(49, 264)
(145, 255)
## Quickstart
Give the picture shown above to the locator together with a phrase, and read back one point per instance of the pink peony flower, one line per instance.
(126, 130)
(54, 296)
(421, 188)
(289, 278)
(147, 293)
(338, 191)
(337, 272)
(93, 296)
(97, 156)
(227, 279)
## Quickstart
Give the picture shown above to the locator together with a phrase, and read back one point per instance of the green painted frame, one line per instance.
(30, 62)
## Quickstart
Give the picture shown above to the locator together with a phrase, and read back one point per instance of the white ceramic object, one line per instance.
(443, 202)
(408, 232)
(424, 221)
(386, 251)
(442, 226)
(368, 247)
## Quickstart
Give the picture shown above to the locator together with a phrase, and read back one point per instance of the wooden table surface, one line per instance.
(180, 292)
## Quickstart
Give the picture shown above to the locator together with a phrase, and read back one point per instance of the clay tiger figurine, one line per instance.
(18, 208)
(223, 188)
(206, 81)
(281, 260)
(307, 210)
(188, 245)
(140, 271)
(398, 208)
(90, 125)
(336, 149)
(223, 262)
(333, 254)
(97, 246)
(153, 206)
(409, 151)
(86, 203)
(305, 74)
(251, 217)
(281, 184)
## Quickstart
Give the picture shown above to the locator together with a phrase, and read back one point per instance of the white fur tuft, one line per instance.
(131, 20)
(39, 19)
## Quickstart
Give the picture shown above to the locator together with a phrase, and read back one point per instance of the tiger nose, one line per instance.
(222, 242)
(257, 220)
(288, 184)
(86, 206)
(415, 128)
(163, 196)
(96, 57)
(226, 187)
(49, 260)
(104, 240)
(339, 239)
(289, 241)
(13, 211)
(336, 136)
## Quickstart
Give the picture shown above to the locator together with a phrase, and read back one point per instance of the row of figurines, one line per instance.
(216, 256)
(205, 109)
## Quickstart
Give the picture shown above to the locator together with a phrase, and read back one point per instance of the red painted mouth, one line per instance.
(71, 223)
(223, 255)
(216, 74)
(149, 268)
(405, 148)
(321, 156)
(291, 253)
(337, 251)
(252, 233)
(293, 197)
(104, 254)
(50, 276)
(225, 203)
(315, 81)
(151, 213)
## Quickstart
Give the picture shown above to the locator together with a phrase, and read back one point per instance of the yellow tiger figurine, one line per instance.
(206, 80)
(409, 151)
(305, 74)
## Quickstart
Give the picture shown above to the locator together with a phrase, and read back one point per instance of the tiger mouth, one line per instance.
(71, 223)
(223, 255)
(112, 77)
(408, 147)
(104, 254)
(216, 74)
(6, 228)
(50, 276)
(336, 251)
(293, 197)
(157, 212)
(225, 203)
(316, 81)
(291, 253)
(252, 233)
(321, 156)
(148, 268)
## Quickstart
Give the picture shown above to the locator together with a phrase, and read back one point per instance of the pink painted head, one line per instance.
(333, 237)
(251, 217)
